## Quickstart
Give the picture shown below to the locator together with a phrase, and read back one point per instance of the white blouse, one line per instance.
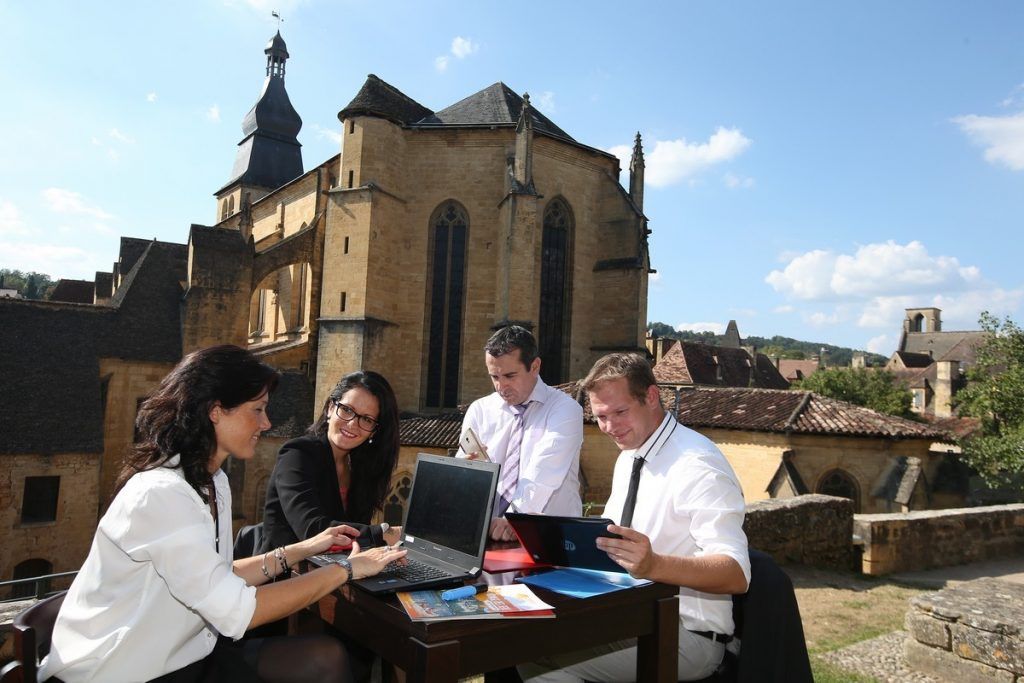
(154, 591)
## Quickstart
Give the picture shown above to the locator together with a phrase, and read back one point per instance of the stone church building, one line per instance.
(428, 231)
(400, 254)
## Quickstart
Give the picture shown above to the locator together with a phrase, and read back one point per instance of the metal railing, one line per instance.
(42, 585)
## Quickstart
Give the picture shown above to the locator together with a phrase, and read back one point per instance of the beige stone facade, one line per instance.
(63, 542)
(357, 295)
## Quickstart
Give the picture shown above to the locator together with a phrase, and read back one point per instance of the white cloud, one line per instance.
(463, 47)
(806, 276)
(1001, 136)
(717, 328)
(785, 308)
(674, 161)
(121, 137)
(820, 319)
(66, 201)
(327, 133)
(545, 102)
(151, 97)
(882, 269)
(733, 181)
(213, 114)
(10, 219)
(882, 344)
(874, 285)
(55, 260)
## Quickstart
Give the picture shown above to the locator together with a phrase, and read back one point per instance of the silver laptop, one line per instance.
(445, 526)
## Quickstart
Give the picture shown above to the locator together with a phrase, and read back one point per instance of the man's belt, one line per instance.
(713, 636)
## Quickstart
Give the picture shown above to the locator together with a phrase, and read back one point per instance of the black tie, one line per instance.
(634, 484)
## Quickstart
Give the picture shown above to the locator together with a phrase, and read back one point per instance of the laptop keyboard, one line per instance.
(413, 571)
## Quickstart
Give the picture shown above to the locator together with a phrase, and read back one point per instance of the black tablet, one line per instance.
(564, 541)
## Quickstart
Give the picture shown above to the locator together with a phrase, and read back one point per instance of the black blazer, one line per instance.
(303, 497)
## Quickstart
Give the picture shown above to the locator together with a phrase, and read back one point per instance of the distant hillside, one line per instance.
(783, 347)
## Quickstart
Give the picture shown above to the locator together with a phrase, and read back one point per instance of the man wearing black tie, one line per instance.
(680, 511)
(532, 430)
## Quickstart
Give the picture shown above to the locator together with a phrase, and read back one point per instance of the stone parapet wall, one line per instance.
(938, 538)
(813, 530)
(969, 632)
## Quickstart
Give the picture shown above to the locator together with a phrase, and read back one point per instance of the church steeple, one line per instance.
(636, 173)
(277, 55)
(269, 154)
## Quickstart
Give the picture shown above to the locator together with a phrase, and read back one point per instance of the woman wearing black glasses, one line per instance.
(340, 470)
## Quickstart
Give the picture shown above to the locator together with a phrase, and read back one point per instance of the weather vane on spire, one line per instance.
(277, 16)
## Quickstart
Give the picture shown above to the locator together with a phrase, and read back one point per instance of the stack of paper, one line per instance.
(498, 602)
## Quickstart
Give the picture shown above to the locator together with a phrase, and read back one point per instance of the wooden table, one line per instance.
(449, 650)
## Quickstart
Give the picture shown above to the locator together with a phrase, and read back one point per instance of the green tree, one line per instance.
(879, 390)
(995, 395)
(30, 285)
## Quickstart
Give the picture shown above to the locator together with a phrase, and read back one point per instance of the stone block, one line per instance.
(994, 649)
(947, 666)
(927, 630)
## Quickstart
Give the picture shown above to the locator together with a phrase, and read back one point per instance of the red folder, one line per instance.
(509, 560)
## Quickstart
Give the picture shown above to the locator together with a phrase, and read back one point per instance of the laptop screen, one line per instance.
(450, 503)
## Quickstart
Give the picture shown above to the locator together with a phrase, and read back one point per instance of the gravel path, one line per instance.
(881, 658)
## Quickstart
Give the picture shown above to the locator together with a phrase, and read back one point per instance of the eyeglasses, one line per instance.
(344, 412)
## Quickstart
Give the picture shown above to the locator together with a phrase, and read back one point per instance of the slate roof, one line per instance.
(53, 395)
(695, 363)
(940, 344)
(436, 431)
(378, 98)
(73, 291)
(910, 359)
(496, 104)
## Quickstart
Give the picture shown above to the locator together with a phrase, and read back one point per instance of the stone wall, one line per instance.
(969, 632)
(813, 530)
(939, 538)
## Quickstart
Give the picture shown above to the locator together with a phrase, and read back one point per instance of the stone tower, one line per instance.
(269, 154)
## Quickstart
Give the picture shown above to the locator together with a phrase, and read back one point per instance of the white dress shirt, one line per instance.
(549, 458)
(689, 504)
(154, 592)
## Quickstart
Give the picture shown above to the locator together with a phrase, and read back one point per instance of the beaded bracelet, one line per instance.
(284, 559)
(282, 562)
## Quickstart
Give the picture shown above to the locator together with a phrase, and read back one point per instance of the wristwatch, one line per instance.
(346, 565)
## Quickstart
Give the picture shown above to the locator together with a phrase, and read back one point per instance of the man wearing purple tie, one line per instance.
(532, 430)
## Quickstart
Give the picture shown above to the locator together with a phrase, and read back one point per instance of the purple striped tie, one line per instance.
(510, 468)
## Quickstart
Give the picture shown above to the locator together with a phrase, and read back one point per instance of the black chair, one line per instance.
(32, 630)
(247, 541)
(771, 634)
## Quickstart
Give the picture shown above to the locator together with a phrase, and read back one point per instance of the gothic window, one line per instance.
(446, 293)
(841, 484)
(231, 205)
(555, 290)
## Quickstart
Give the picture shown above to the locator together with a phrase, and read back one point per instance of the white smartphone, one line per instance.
(471, 444)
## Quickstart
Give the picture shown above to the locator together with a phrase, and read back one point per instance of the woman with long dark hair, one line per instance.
(158, 589)
(340, 470)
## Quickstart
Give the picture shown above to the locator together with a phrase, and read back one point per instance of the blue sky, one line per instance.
(813, 168)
